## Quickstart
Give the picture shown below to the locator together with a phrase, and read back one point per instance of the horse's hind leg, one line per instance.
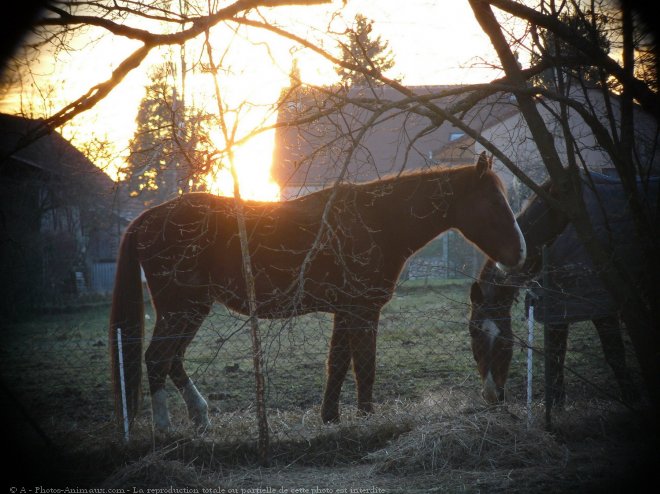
(363, 354)
(174, 329)
(609, 332)
(158, 359)
(195, 402)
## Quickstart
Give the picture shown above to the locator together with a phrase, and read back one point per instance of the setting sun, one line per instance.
(253, 169)
(255, 66)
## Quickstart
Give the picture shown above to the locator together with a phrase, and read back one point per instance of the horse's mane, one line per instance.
(457, 174)
(416, 173)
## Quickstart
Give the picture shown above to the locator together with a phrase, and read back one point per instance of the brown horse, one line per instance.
(494, 293)
(339, 250)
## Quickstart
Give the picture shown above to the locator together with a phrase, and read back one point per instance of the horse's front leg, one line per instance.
(339, 359)
(556, 349)
(195, 402)
(363, 354)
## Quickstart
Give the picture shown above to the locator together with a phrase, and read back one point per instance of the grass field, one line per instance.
(55, 369)
(59, 363)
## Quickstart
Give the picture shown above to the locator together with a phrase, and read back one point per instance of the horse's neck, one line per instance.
(420, 210)
(540, 224)
(507, 285)
(535, 244)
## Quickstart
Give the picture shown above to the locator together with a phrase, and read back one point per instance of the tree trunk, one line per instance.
(639, 317)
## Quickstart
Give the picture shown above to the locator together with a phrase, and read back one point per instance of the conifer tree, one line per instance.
(364, 50)
(155, 156)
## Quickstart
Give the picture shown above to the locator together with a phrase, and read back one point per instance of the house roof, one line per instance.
(460, 151)
(316, 153)
(52, 154)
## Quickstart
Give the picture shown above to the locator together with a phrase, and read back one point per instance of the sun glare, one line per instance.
(253, 162)
(254, 71)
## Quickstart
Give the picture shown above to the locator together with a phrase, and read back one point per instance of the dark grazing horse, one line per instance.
(575, 293)
(339, 250)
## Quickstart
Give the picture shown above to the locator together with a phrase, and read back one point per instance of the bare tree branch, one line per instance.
(640, 91)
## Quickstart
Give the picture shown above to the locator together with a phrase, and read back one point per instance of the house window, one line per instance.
(454, 136)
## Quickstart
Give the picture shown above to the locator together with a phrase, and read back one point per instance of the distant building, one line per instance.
(355, 140)
(312, 156)
(514, 138)
(315, 155)
(59, 230)
(403, 137)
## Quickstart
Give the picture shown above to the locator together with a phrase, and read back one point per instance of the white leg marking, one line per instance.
(490, 390)
(491, 330)
(197, 406)
(161, 416)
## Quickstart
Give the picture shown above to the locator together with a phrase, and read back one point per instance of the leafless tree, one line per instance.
(624, 87)
(616, 99)
(639, 297)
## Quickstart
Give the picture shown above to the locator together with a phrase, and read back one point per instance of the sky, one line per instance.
(433, 42)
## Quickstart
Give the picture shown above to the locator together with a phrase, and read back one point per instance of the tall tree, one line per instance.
(361, 48)
(155, 159)
(613, 128)
(564, 60)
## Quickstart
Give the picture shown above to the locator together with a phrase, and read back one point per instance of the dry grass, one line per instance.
(477, 440)
(431, 432)
(404, 447)
(152, 470)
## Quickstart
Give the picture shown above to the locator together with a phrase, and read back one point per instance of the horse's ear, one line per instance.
(483, 164)
(476, 295)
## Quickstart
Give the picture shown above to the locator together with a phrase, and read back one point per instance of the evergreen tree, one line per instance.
(155, 153)
(361, 49)
(567, 61)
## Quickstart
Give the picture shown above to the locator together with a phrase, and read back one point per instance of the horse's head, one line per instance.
(490, 330)
(493, 295)
(540, 224)
(484, 217)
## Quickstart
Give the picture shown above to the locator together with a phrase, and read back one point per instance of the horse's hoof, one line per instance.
(558, 401)
(163, 428)
(200, 419)
(629, 394)
(202, 429)
(162, 424)
(330, 417)
(202, 424)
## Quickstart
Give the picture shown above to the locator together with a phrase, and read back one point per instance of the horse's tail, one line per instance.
(127, 324)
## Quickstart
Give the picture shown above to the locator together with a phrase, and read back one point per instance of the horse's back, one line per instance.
(184, 219)
(189, 247)
(576, 290)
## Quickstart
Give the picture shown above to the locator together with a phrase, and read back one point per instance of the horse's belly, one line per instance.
(284, 289)
(273, 306)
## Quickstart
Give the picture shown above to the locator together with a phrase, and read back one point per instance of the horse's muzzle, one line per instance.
(522, 254)
(491, 392)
